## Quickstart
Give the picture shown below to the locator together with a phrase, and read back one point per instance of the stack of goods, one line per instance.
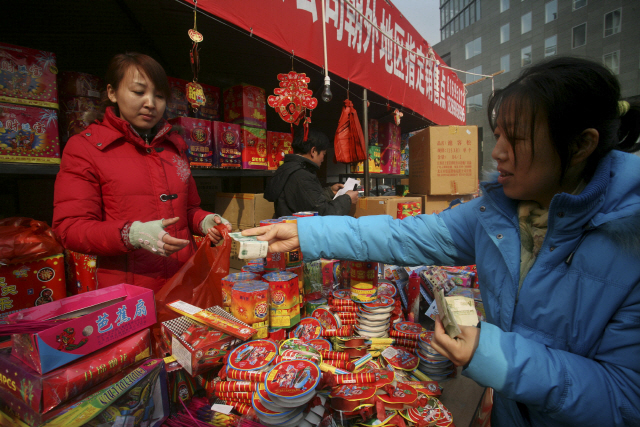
(69, 357)
(389, 139)
(28, 131)
(245, 105)
(250, 304)
(374, 317)
(433, 364)
(227, 283)
(284, 303)
(79, 102)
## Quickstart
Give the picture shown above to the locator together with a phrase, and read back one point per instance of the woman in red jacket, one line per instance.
(125, 191)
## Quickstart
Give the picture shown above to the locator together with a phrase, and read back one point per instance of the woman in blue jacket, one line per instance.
(555, 239)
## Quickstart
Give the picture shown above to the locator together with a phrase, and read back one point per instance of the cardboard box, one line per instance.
(245, 105)
(435, 204)
(389, 135)
(31, 284)
(73, 84)
(254, 148)
(278, 145)
(244, 210)
(42, 393)
(444, 160)
(374, 162)
(106, 315)
(381, 205)
(177, 105)
(390, 161)
(227, 145)
(197, 135)
(28, 76)
(28, 134)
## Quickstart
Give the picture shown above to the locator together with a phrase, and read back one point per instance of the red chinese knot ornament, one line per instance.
(293, 98)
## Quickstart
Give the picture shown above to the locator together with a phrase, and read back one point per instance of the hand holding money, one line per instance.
(459, 350)
(250, 246)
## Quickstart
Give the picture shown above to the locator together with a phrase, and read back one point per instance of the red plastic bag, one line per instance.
(26, 239)
(199, 281)
(349, 140)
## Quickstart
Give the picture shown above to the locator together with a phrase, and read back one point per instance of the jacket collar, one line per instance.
(304, 162)
(114, 128)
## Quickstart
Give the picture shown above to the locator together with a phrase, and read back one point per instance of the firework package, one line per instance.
(39, 394)
(82, 324)
(28, 134)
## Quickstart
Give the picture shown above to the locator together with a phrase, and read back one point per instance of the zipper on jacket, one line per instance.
(569, 259)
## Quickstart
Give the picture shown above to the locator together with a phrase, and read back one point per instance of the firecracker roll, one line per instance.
(230, 280)
(234, 386)
(345, 331)
(250, 304)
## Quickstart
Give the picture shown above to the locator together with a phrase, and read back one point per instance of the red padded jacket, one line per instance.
(110, 178)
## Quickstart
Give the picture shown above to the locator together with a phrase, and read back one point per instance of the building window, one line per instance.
(525, 56)
(472, 77)
(525, 23)
(579, 36)
(478, 15)
(551, 11)
(504, 33)
(473, 48)
(504, 63)
(579, 4)
(612, 60)
(612, 22)
(446, 58)
(550, 46)
(474, 103)
(504, 5)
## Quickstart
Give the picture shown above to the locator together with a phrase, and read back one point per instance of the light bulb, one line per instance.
(326, 93)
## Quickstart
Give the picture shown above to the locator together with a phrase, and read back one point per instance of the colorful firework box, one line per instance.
(197, 135)
(390, 161)
(135, 397)
(91, 321)
(31, 284)
(374, 161)
(197, 347)
(216, 317)
(373, 132)
(76, 114)
(42, 393)
(284, 299)
(28, 76)
(211, 109)
(250, 304)
(389, 135)
(177, 104)
(278, 145)
(319, 278)
(28, 134)
(80, 272)
(227, 145)
(254, 148)
(245, 105)
(73, 84)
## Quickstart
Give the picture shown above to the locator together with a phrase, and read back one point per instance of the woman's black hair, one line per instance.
(572, 95)
(315, 139)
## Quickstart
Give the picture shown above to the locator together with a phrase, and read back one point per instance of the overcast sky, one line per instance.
(424, 15)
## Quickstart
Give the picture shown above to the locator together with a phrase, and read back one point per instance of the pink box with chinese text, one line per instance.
(91, 321)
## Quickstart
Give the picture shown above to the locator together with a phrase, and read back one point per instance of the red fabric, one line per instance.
(109, 178)
(349, 140)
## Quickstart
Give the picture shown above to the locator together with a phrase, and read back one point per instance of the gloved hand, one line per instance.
(152, 236)
(208, 225)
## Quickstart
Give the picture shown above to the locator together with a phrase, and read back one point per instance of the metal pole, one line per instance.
(365, 125)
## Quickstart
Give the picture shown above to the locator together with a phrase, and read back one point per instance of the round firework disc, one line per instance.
(292, 379)
(383, 301)
(272, 415)
(296, 348)
(309, 328)
(293, 403)
(386, 288)
(377, 311)
(400, 358)
(321, 344)
(352, 392)
(373, 316)
(409, 328)
(327, 319)
(363, 321)
(266, 401)
(253, 355)
(367, 328)
(342, 294)
(383, 334)
(403, 393)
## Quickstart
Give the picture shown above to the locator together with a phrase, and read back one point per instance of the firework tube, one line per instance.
(226, 386)
(362, 361)
(242, 408)
(342, 302)
(345, 331)
(334, 355)
(343, 309)
(231, 395)
(254, 377)
(346, 315)
(330, 368)
(356, 378)
(342, 364)
(397, 334)
(349, 322)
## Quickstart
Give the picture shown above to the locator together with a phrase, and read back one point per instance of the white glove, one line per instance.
(209, 221)
(148, 235)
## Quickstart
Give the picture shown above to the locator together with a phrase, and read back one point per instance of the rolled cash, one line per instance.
(250, 246)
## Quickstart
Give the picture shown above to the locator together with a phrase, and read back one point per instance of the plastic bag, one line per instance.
(349, 140)
(26, 239)
(199, 281)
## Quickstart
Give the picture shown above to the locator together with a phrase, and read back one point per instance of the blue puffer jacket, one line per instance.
(568, 346)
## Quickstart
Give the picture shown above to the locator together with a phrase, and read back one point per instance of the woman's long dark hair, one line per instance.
(571, 94)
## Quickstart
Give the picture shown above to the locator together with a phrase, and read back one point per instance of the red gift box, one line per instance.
(197, 135)
(28, 76)
(278, 144)
(254, 148)
(177, 104)
(245, 105)
(72, 84)
(41, 393)
(389, 135)
(227, 145)
(211, 109)
(81, 272)
(28, 134)
(31, 284)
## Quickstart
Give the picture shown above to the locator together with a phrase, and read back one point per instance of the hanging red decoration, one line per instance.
(349, 139)
(293, 98)
(194, 91)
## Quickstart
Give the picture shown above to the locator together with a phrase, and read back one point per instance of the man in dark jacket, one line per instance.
(295, 186)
